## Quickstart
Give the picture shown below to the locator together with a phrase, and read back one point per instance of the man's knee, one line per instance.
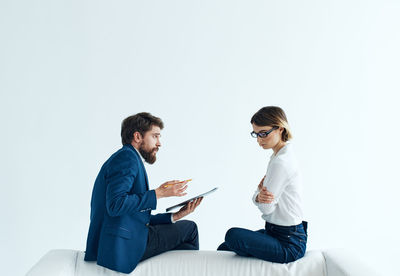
(191, 226)
(191, 231)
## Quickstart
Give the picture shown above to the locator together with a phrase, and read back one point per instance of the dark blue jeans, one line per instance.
(181, 235)
(278, 244)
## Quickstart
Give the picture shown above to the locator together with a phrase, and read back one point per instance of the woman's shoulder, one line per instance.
(285, 154)
(286, 159)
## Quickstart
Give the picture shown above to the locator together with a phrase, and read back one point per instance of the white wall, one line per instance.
(70, 71)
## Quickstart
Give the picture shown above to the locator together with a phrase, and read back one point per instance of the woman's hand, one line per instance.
(260, 185)
(187, 209)
(264, 196)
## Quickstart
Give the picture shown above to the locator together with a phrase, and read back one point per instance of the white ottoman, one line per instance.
(201, 263)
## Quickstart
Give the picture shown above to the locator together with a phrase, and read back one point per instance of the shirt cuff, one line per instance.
(254, 198)
(172, 218)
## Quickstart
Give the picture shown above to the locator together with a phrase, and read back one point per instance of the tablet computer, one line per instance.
(193, 198)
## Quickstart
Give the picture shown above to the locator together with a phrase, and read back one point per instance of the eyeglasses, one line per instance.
(262, 134)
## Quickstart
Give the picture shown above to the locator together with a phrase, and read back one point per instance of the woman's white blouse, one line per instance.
(283, 180)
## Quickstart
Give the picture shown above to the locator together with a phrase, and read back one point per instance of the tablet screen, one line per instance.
(193, 198)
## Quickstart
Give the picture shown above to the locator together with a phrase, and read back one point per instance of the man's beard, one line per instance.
(148, 156)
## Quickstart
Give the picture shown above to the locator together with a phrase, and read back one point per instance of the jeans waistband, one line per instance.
(294, 228)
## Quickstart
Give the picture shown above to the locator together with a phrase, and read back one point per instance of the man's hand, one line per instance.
(171, 188)
(187, 209)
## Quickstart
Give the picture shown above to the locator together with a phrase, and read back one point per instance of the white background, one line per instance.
(71, 71)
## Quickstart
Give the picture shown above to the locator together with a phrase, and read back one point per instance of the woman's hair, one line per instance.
(273, 116)
(141, 122)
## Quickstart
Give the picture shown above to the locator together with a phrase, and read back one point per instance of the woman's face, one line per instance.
(272, 139)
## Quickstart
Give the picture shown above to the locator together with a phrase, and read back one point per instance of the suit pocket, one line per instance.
(118, 231)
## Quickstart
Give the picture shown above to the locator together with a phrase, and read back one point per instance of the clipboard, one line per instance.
(193, 198)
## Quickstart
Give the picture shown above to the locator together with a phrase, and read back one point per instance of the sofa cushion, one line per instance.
(181, 263)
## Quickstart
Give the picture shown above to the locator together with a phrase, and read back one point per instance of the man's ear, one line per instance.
(137, 137)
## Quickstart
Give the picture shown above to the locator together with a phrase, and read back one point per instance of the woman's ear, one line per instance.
(282, 132)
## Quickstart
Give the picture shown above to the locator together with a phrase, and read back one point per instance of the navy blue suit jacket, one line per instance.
(120, 212)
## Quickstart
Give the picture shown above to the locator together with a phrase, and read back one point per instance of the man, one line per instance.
(122, 231)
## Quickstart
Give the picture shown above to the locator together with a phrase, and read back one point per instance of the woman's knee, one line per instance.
(232, 235)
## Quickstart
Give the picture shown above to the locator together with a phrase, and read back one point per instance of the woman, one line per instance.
(277, 197)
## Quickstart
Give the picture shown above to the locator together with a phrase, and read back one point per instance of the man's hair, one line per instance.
(141, 122)
(273, 116)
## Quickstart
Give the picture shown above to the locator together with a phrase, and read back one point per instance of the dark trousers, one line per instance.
(278, 244)
(181, 235)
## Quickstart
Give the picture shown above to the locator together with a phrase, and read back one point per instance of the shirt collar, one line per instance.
(139, 154)
(282, 150)
(129, 145)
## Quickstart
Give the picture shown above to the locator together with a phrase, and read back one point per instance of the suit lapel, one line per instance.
(142, 165)
(145, 176)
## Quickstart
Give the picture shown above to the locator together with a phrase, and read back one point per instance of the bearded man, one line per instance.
(122, 230)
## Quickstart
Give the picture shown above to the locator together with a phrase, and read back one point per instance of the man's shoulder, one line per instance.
(124, 154)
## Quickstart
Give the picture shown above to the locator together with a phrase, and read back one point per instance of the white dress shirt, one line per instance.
(283, 180)
(172, 215)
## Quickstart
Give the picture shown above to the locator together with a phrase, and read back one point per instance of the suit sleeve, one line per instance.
(160, 219)
(122, 171)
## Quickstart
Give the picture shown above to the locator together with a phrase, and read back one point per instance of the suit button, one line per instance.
(147, 224)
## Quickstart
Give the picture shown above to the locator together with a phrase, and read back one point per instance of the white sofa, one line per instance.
(201, 263)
